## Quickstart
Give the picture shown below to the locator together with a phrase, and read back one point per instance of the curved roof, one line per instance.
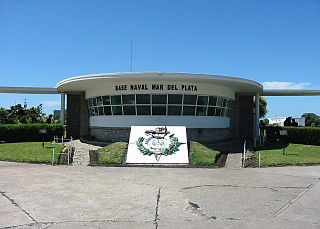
(81, 83)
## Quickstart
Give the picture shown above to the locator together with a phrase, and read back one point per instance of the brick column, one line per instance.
(234, 119)
(246, 117)
(77, 116)
(241, 120)
(84, 117)
(73, 116)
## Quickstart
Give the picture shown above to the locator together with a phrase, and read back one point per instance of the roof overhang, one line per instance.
(291, 92)
(29, 90)
(81, 83)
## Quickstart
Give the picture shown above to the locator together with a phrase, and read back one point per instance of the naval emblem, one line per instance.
(158, 142)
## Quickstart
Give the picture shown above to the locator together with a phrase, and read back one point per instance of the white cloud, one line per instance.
(284, 85)
(51, 103)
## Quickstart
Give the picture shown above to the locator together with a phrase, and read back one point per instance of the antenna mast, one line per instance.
(131, 58)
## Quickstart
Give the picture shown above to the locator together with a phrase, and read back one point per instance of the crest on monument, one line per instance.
(158, 142)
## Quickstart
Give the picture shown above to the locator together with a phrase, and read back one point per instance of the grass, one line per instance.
(295, 154)
(29, 152)
(202, 155)
(114, 153)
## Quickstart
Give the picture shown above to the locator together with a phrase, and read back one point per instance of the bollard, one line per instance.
(259, 159)
(244, 153)
(52, 156)
(68, 156)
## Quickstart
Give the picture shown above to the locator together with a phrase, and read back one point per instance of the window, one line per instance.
(100, 110)
(106, 100)
(129, 110)
(201, 111)
(117, 110)
(162, 104)
(219, 102)
(212, 100)
(202, 100)
(94, 101)
(128, 99)
(189, 110)
(116, 100)
(190, 99)
(143, 110)
(174, 110)
(159, 110)
(218, 111)
(211, 111)
(143, 99)
(175, 99)
(99, 101)
(107, 110)
(159, 99)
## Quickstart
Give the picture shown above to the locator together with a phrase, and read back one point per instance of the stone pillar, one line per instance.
(241, 119)
(234, 119)
(77, 116)
(257, 117)
(84, 117)
(62, 108)
(73, 116)
(246, 117)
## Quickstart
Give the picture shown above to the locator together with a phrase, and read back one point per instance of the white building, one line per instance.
(280, 121)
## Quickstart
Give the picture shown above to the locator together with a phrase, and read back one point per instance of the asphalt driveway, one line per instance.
(44, 196)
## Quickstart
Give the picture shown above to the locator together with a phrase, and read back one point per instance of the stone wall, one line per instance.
(112, 134)
(84, 117)
(77, 116)
(73, 116)
(207, 134)
(246, 118)
(241, 120)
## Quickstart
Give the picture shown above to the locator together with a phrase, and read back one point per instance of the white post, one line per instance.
(52, 156)
(244, 153)
(259, 159)
(62, 138)
(68, 156)
(256, 134)
(62, 108)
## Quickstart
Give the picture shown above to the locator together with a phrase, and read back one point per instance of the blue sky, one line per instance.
(273, 42)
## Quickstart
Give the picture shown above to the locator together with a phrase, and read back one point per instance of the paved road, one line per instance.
(44, 196)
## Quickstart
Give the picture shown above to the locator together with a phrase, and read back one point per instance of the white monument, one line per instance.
(158, 145)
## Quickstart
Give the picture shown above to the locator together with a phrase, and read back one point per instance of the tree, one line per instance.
(18, 114)
(4, 116)
(310, 118)
(262, 106)
(316, 123)
(266, 121)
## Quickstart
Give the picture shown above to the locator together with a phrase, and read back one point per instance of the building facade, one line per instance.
(212, 107)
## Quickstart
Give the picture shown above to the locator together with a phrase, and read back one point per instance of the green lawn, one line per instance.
(29, 152)
(202, 155)
(114, 153)
(295, 154)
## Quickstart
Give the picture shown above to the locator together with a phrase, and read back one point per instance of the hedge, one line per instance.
(299, 135)
(29, 132)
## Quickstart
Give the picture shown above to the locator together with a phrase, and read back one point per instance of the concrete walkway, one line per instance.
(45, 196)
(234, 160)
(81, 156)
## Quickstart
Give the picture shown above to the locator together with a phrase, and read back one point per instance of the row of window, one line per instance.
(172, 104)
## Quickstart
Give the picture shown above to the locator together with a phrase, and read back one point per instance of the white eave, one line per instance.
(29, 90)
(291, 92)
(80, 83)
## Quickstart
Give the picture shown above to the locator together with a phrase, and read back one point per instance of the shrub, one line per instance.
(299, 135)
(29, 132)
